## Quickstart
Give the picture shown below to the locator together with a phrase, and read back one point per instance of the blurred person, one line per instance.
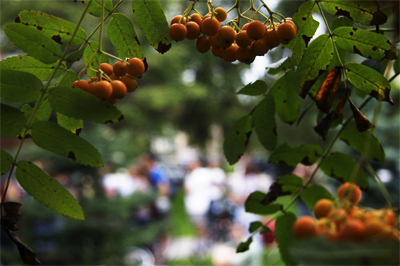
(158, 177)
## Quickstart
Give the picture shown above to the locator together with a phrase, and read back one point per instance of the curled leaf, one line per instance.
(327, 92)
(362, 122)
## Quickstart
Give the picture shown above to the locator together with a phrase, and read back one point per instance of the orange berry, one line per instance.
(202, 44)
(256, 30)
(213, 40)
(176, 19)
(92, 79)
(226, 36)
(130, 83)
(136, 66)
(91, 87)
(81, 84)
(210, 26)
(177, 32)
(106, 68)
(102, 89)
(352, 230)
(286, 32)
(242, 39)
(272, 38)
(118, 89)
(259, 47)
(245, 55)
(217, 52)
(220, 14)
(322, 208)
(374, 229)
(350, 192)
(229, 54)
(114, 77)
(112, 100)
(196, 18)
(119, 69)
(305, 226)
(244, 27)
(327, 228)
(193, 30)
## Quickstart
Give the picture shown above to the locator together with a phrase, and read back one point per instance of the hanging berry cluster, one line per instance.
(113, 82)
(232, 41)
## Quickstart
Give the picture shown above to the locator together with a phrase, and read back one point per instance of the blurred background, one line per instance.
(166, 195)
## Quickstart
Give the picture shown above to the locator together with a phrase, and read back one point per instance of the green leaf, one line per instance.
(287, 101)
(90, 49)
(305, 154)
(26, 63)
(68, 78)
(150, 16)
(256, 88)
(5, 160)
(12, 121)
(123, 36)
(306, 28)
(264, 122)
(321, 251)
(361, 140)
(282, 65)
(342, 167)
(58, 29)
(365, 43)
(254, 226)
(364, 12)
(314, 193)
(33, 42)
(290, 183)
(369, 81)
(244, 246)
(285, 236)
(237, 138)
(253, 205)
(315, 61)
(73, 57)
(74, 102)
(95, 7)
(42, 114)
(19, 86)
(47, 190)
(341, 22)
(69, 123)
(58, 140)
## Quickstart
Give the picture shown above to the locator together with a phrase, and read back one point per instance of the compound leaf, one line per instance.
(95, 8)
(285, 236)
(244, 246)
(256, 88)
(19, 86)
(12, 121)
(264, 122)
(305, 154)
(90, 49)
(253, 205)
(5, 161)
(43, 113)
(314, 193)
(290, 183)
(69, 123)
(282, 65)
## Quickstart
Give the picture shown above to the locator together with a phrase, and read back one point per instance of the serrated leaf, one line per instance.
(47, 190)
(237, 138)
(58, 29)
(90, 49)
(151, 19)
(33, 42)
(327, 92)
(26, 63)
(253, 205)
(361, 140)
(43, 113)
(244, 246)
(73, 57)
(342, 166)
(306, 28)
(341, 22)
(69, 123)
(305, 154)
(364, 12)
(290, 183)
(123, 36)
(12, 121)
(287, 102)
(314, 62)
(58, 140)
(68, 78)
(283, 64)
(74, 102)
(5, 160)
(264, 122)
(285, 237)
(95, 8)
(254, 226)
(19, 86)
(365, 43)
(369, 81)
(256, 88)
(314, 193)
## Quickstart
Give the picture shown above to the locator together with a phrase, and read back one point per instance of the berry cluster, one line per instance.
(231, 43)
(113, 82)
(346, 222)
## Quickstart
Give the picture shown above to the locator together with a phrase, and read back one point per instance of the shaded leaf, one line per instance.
(58, 29)
(254, 226)
(365, 43)
(264, 122)
(341, 22)
(290, 183)
(12, 217)
(68, 78)
(287, 102)
(43, 113)
(28, 256)
(90, 49)
(123, 36)
(363, 142)
(151, 19)
(244, 246)
(282, 65)
(342, 166)
(256, 88)
(285, 237)
(362, 122)
(305, 154)
(95, 7)
(327, 92)
(253, 205)
(33, 42)
(314, 62)
(314, 193)
(306, 28)
(64, 100)
(29, 64)
(12, 121)
(73, 57)
(369, 81)
(19, 86)
(275, 191)
(69, 123)
(5, 160)
(58, 140)
(237, 138)
(47, 190)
